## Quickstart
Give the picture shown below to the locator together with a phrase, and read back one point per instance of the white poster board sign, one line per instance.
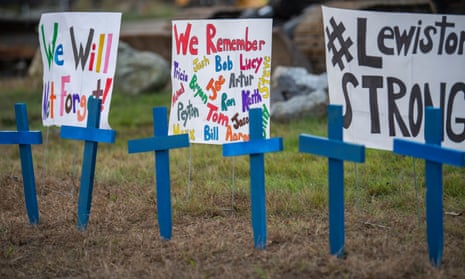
(79, 53)
(220, 70)
(385, 68)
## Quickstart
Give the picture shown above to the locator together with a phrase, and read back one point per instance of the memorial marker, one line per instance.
(92, 135)
(337, 151)
(25, 138)
(255, 147)
(161, 143)
(434, 156)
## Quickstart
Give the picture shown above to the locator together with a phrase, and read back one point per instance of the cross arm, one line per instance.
(253, 147)
(88, 134)
(335, 149)
(20, 137)
(158, 143)
(430, 152)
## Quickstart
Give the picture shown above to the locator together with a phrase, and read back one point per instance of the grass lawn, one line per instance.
(212, 235)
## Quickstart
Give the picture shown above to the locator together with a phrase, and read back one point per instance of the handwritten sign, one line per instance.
(220, 70)
(386, 68)
(79, 53)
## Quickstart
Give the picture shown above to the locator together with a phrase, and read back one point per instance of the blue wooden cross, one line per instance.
(337, 151)
(434, 156)
(255, 147)
(92, 135)
(25, 138)
(161, 144)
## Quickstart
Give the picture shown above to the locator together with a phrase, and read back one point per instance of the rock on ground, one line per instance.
(297, 93)
(140, 71)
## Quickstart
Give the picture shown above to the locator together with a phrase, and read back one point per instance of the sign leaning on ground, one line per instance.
(220, 70)
(386, 68)
(79, 53)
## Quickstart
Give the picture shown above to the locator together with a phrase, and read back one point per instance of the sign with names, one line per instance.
(220, 70)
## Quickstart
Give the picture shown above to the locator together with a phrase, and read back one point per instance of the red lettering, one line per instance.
(184, 40)
(211, 32)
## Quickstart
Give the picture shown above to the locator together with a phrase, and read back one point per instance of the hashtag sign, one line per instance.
(344, 45)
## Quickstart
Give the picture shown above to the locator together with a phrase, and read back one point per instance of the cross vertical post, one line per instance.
(161, 143)
(337, 151)
(24, 138)
(336, 186)
(434, 156)
(434, 190)
(91, 135)
(255, 148)
(257, 182)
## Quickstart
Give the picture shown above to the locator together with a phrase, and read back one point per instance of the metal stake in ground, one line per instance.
(434, 156)
(337, 151)
(255, 147)
(92, 135)
(25, 138)
(161, 144)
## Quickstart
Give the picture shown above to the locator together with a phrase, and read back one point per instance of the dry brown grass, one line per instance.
(122, 241)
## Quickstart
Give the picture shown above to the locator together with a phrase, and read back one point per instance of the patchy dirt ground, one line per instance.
(122, 241)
